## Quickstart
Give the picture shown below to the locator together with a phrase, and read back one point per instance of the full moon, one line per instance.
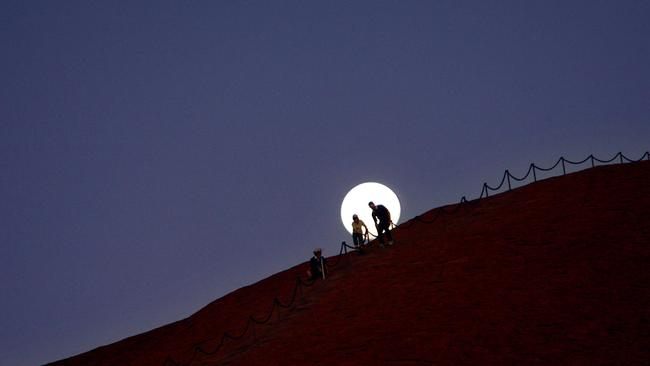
(356, 202)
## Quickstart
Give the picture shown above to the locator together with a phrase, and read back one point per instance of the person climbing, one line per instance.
(317, 266)
(381, 217)
(358, 234)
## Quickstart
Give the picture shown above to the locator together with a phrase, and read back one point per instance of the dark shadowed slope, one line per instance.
(552, 273)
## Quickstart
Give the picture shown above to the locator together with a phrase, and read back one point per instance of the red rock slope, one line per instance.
(555, 272)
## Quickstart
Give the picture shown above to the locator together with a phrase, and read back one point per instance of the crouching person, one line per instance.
(317, 266)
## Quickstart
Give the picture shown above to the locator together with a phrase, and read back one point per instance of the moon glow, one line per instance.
(356, 202)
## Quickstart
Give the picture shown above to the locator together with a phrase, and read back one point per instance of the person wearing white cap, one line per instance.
(358, 234)
(317, 265)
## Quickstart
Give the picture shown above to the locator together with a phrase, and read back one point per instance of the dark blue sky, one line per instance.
(155, 156)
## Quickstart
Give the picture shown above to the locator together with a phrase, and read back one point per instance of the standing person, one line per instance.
(358, 234)
(317, 266)
(381, 217)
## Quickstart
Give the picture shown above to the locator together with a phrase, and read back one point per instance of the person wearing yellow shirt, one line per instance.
(358, 234)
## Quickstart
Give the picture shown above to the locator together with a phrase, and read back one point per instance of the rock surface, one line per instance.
(555, 272)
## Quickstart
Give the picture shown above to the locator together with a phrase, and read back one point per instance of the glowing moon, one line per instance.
(356, 202)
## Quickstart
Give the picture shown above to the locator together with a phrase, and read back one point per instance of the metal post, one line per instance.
(508, 176)
(563, 167)
(322, 267)
(534, 174)
(252, 328)
(592, 160)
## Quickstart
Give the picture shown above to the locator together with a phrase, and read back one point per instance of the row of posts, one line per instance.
(563, 161)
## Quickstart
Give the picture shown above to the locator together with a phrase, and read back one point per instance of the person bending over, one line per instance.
(358, 234)
(381, 217)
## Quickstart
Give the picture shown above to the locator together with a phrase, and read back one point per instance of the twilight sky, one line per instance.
(157, 155)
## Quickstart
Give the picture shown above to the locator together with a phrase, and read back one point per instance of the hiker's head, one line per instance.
(355, 217)
(372, 205)
(318, 252)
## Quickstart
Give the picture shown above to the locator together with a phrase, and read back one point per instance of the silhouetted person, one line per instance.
(381, 217)
(317, 266)
(358, 234)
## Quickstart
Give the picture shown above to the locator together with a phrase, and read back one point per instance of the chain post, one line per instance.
(563, 166)
(253, 333)
(534, 173)
(508, 176)
(302, 294)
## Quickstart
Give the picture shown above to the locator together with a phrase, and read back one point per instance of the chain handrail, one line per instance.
(532, 168)
(464, 202)
(251, 321)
